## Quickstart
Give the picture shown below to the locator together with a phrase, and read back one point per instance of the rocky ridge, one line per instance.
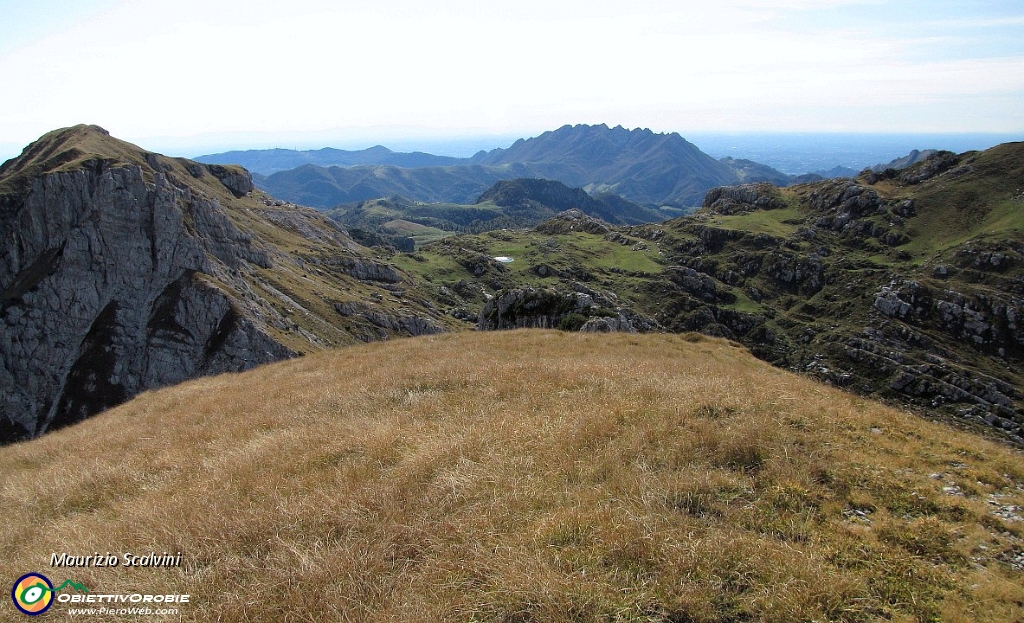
(122, 271)
(580, 309)
(937, 326)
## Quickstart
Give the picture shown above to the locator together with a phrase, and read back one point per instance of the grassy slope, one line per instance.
(982, 205)
(985, 205)
(526, 476)
(573, 256)
(781, 223)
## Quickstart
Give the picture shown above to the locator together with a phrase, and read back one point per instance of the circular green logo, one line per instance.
(32, 593)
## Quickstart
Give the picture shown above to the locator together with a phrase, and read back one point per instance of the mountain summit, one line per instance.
(639, 164)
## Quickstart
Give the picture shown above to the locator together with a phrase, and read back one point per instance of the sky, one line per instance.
(193, 76)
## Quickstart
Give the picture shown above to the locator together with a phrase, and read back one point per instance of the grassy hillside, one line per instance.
(526, 476)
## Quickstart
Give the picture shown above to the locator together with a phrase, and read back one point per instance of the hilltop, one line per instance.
(528, 475)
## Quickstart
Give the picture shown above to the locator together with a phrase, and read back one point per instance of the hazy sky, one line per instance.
(185, 75)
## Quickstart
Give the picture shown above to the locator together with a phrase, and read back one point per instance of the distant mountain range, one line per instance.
(268, 161)
(648, 168)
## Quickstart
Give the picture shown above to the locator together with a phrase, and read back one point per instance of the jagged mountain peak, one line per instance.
(572, 141)
(645, 167)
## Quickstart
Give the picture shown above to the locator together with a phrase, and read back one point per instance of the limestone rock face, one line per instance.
(573, 220)
(238, 181)
(109, 288)
(383, 322)
(582, 309)
(743, 198)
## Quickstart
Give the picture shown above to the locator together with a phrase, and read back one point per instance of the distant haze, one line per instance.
(792, 153)
(805, 153)
(191, 76)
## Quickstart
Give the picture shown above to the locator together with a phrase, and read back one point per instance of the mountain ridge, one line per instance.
(644, 167)
(269, 161)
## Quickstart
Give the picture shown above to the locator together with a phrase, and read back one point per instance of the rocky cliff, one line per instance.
(122, 271)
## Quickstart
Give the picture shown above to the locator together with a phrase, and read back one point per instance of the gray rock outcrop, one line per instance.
(546, 308)
(573, 220)
(109, 279)
(743, 198)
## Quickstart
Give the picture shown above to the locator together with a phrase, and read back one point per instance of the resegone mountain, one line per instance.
(644, 167)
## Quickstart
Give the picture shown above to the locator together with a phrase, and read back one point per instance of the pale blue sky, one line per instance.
(189, 75)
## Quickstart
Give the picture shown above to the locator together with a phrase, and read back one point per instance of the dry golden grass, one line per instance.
(525, 476)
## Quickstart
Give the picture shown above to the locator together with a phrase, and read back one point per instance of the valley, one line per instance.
(903, 285)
